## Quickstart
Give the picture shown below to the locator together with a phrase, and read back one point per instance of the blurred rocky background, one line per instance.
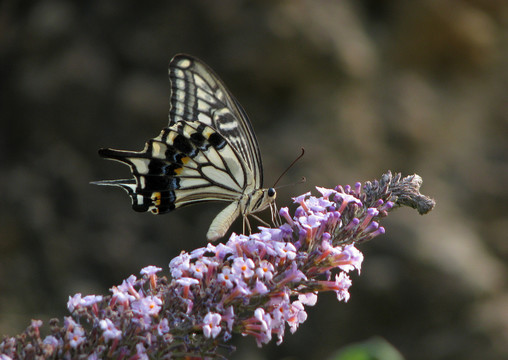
(415, 86)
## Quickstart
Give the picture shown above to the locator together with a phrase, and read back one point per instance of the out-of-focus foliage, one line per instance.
(365, 86)
(371, 349)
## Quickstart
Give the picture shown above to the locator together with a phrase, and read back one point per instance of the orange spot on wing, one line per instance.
(156, 197)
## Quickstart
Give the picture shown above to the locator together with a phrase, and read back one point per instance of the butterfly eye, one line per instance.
(271, 192)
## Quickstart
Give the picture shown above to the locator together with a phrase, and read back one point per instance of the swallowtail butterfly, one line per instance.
(208, 152)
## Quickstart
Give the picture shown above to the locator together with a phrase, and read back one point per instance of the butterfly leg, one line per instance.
(246, 221)
(260, 220)
(276, 220)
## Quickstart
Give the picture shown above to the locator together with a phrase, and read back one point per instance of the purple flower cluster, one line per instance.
(265, 269)
(253, 285)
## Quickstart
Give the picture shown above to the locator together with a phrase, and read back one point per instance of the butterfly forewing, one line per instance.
(208, 152)
(199, 94)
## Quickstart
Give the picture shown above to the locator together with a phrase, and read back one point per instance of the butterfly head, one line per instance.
(261, 199)
(269, 196)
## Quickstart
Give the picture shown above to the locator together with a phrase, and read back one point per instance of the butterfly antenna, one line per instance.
(290, 166)
(301, 181)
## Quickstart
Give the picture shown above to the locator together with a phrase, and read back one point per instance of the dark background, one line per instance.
(415, 86)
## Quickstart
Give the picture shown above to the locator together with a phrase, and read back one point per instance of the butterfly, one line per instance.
(208, 152)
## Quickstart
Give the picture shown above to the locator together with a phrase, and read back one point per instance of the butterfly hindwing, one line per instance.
(187, 163)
